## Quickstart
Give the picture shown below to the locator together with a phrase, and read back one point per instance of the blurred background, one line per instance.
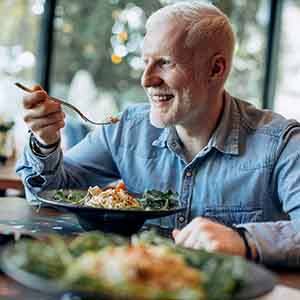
(89, 53)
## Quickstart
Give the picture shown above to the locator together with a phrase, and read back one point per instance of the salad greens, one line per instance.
(65, 261)
(154, 199)
(150, 200)
(70, 196)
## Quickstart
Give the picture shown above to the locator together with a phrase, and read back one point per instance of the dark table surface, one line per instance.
(17, 215)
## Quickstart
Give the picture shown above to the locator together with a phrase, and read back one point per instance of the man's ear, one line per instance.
(218, 67)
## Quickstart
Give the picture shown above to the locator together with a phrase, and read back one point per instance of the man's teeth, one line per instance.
(161, 97)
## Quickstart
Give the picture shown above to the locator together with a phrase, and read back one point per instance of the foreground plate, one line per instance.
(120, 221)
(258, 281)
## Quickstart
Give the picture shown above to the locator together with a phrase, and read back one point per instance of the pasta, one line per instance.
(118, 198)
(111, 198)
(142, 272)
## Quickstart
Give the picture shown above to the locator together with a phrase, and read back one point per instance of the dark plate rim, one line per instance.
(105, 210)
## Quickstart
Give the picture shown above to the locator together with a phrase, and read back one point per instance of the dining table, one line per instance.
(18, 216)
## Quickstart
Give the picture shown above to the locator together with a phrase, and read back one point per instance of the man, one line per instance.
(232, 165)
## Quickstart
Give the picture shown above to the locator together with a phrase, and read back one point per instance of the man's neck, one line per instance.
(196, 136)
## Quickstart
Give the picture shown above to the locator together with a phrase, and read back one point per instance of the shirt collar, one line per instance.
(226, 136)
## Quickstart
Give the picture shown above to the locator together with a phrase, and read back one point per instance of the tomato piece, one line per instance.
(120, 186)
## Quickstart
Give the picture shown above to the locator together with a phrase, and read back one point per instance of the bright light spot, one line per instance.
(26, 60)
(38, 7)
(255, 42)
(122, 36)
(58, 23)
(135, 17)
(118, 27)
(89, 49)
(116, 59)
(137, 63)
(67, 28)
(133, 45)
(115, 14)
(121, 50)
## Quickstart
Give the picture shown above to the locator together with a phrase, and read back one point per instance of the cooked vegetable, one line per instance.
(150, 267)
(118, 198)
(154, 199)
(48, 259)
(93, 241)
(223, 274)
(73, 197)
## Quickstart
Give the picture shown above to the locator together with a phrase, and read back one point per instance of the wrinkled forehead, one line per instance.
(164, 36)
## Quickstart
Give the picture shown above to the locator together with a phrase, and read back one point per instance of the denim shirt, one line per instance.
(247, 175)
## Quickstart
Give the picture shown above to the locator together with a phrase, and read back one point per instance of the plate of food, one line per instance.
(96, 265)
(113, 209)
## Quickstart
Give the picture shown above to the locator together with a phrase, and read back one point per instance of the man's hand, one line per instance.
(44, 117)
(202, 233)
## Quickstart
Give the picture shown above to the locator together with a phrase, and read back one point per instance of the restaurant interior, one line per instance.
(88, 53)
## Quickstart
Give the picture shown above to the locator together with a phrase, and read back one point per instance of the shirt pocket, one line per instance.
(233, 216)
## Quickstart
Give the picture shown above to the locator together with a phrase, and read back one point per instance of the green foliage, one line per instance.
(83, 41)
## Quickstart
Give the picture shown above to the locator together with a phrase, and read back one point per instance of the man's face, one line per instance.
(176, 91)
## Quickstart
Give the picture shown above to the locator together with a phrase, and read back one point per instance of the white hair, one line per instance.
(204, 22)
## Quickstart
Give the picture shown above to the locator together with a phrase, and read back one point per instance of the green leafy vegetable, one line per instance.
(150, 200)
(93, 241)
(73, 197)
(48, 259)
(154, 199)
(224, 274)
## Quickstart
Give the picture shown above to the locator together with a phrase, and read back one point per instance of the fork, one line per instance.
(112, 120)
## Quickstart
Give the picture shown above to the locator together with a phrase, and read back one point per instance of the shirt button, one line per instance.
(181, 219)
(188, 174)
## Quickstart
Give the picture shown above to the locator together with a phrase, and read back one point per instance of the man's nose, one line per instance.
(150, 77)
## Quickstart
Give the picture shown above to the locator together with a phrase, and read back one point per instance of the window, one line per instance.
(250, 22)
(20, 26)
(97, 59)
(95, 52)
(287, 97)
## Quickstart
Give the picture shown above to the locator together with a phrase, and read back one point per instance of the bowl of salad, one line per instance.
(113, 209)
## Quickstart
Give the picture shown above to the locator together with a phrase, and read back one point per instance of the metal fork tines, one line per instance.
(112, 120)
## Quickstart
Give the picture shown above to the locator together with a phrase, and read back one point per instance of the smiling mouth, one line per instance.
(161, 98)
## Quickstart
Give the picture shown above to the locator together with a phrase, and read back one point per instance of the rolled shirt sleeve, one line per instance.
(78, 168)
(278, 243)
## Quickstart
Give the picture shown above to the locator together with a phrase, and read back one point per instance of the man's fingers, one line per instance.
(32, 99)
(183, 234)
(42, 111)
(36, 87)
(175, 232)
(43, 133)
(37, 123)
(197, 239)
